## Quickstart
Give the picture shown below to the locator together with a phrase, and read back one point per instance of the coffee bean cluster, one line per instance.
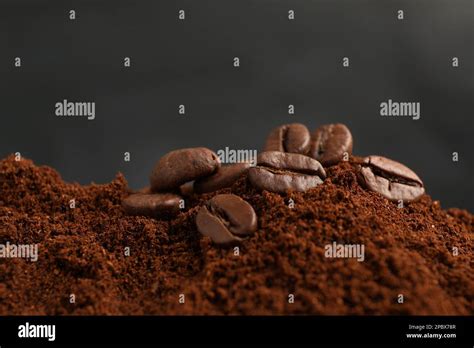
(293, 159)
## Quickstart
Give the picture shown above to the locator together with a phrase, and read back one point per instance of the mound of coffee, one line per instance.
(339, 247)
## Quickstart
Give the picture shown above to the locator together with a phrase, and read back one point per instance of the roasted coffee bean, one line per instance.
(187, 189)
(294, 138)
(180, 166)
(280, 172)
(226, 219)
(224, 177)
(151, 204)
(330, 143)
(391, 179)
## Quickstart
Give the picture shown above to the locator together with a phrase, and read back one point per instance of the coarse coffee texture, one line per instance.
(82, 252)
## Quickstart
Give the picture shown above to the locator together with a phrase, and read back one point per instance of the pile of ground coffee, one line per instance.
(94, 259)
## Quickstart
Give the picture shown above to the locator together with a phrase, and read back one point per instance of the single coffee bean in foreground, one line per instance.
(330, 143)
(226, 219)
(294, 138)
(180, 166)
(224, 177)
(281, 172)
(152, 204)
(391, 179)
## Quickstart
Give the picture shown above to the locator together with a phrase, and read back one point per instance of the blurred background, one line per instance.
(282, 62)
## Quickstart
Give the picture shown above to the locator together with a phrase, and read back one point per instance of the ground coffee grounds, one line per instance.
(408, 251)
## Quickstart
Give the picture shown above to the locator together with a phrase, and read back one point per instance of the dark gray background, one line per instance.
(282, 62)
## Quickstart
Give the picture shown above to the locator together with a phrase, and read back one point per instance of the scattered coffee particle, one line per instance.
(81, 251)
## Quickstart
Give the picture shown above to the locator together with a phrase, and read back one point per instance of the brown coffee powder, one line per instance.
(83, 252)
